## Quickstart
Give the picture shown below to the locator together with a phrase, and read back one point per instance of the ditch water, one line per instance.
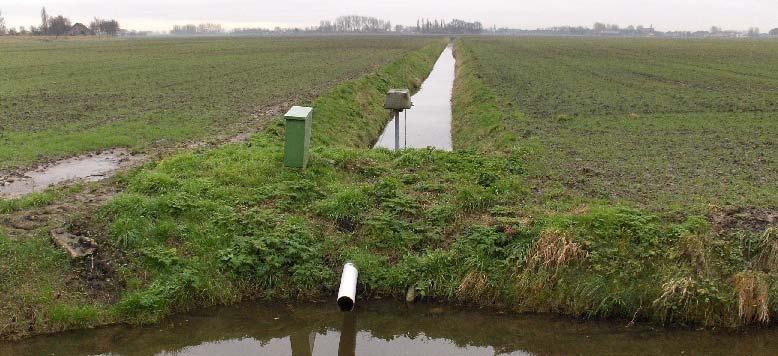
(387, 328)
(91, 167)
(428, 123)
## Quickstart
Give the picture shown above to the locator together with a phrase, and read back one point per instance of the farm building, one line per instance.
(80, 30)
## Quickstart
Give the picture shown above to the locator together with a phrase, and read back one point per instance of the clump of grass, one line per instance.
(753, 299)
(68, 317)
(38, 199)
(695, 247)
(767, 259)
(474, 286)
(554, 249)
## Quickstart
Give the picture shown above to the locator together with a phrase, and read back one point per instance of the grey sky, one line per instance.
(162, 14)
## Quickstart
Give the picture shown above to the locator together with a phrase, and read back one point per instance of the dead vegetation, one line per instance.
(753, 306)
(474, 286)
(696, 248)
(553, 250)
(767, 260)
(676, 291)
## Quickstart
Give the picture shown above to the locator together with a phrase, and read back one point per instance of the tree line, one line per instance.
(452, 27)
(353, 23)
(344, 24)
(60, 25)
(204, 28)
(604, 29)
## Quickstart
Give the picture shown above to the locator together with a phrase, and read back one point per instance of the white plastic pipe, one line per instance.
(347, 294)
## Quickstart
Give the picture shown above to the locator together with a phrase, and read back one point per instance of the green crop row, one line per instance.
(671, 126)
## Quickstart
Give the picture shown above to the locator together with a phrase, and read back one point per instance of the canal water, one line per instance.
(429, 121)
(387, 328)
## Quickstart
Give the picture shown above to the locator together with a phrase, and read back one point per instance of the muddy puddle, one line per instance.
(387, 328)
(91, 167)
(428, 123)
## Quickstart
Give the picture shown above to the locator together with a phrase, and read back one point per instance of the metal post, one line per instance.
(396, 130)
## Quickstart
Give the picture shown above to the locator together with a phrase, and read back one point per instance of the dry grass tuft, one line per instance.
(767, 260)
(553, 250)
(695, 248)
(473, 286)
(752, 297)
(676, 290)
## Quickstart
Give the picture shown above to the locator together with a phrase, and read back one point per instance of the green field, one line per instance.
(662, 124)
(62, 98)
(575, 188)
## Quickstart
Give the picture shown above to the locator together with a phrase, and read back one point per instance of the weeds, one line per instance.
(753, 300)
(553, 250)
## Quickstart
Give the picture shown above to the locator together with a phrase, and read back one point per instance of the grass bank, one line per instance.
(224, 225)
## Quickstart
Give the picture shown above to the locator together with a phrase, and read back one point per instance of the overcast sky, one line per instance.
(527, 14)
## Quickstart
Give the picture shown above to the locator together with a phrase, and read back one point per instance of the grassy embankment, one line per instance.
(597, 141)
(135, 275)
(61, 98)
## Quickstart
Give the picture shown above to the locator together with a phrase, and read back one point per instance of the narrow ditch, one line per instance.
(428, 123)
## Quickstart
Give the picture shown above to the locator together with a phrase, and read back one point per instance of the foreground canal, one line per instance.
(428, 123)
(388, 328)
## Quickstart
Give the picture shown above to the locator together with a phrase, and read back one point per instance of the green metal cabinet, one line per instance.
(297, 135)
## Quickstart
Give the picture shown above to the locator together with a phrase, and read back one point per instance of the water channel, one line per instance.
(387, 328)
(428, 123)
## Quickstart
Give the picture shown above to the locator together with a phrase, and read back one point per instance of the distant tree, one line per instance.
(353, 23)
(210, 28)
(205, 28)
(22, 30)
(2, 24)
(715, 29)
(774, 32)
(105, 27)
(59, 25)
(453, 27)
(95, 26)
(44, 22)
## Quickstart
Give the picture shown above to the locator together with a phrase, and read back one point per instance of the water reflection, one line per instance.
(429, 121)
(386, 328)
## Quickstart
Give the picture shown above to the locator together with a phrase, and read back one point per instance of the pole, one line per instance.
(405, 129)
(396, 130)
